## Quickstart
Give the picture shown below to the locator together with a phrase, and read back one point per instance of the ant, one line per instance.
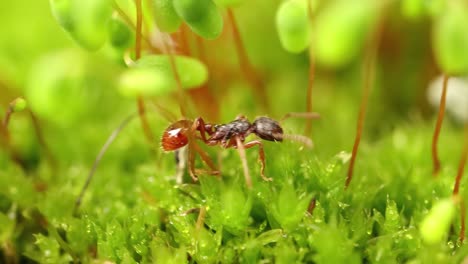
(230, 135)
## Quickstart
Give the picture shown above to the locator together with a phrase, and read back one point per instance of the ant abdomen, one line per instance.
(175, 136)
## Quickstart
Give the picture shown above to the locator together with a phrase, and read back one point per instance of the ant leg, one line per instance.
(307, 115)
(241, 150)
(200, 125)
(204, 156)
(261, 156)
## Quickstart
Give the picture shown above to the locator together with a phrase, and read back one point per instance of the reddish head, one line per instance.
(175, 136)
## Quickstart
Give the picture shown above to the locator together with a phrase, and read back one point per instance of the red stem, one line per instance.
(140, 102)
(461, 165)
(308, 126)
(244, 63)
(462, 220)
(440, 119)
(368, 76)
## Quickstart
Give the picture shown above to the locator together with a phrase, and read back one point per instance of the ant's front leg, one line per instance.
(204, 128)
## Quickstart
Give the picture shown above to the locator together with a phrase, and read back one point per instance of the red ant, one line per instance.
(232, 134)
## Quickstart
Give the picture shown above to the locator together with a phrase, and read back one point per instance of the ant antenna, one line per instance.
(307, 115)
(103, 150)
(300, 139)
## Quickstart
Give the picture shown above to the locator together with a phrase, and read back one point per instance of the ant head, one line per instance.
(175, 136)
(268, 129)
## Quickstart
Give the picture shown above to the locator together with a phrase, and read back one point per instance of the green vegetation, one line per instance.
(69, 77)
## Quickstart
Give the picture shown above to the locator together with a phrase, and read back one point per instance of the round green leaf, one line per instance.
(192, 72)
(54, 88)
(413, 9)
(450, 40)
(436, 224)
(341, 30)
(121, 36)
(144, 81)
(19, 104)
(61, 10)
(202, 16)
(292, 24)
(91, 19)
(228, 3)
(153, 75)
(166, 17)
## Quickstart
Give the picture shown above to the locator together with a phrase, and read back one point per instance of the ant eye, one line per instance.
(268, 129)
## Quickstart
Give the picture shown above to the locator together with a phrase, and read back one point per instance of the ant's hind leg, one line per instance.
(261, 156)
(241, 150)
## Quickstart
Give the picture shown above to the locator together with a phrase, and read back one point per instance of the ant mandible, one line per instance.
(232, 134)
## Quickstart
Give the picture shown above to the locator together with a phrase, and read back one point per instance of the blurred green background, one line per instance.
(75, 98)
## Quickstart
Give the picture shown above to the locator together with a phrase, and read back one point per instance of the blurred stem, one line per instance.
(103, 150)
(180, 90)
(461, 236)
(139, 25)
(129, 22)
(40, 137)
(140, 102)
(245, 65)
(308, 126)
(461, 165)
(368, 77)
(440, 119)
(5, 138)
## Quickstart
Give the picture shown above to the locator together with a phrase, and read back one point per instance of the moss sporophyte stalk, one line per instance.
(150, 131)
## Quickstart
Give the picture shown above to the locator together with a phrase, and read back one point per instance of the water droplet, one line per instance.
(450, 244)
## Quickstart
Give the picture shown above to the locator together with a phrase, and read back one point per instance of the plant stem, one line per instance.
(368, 76)
(308, 125)
(140, 102)
(139, 25)
(40, 137)
(462, 220)
(244, 63)
(6, 138)
(461, 165)
(129, 22)
(103, 150)
(180, 89)
(440, 119)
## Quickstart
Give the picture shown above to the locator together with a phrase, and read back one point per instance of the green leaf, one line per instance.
(341, 30)
(228, 3)
(120, 34)
(7, 228)
(392, 218)
(413, 9)
(90, 18)
(61, 10)
(18, 105)
(292, 23)
(450, 41)
(153, 75)
(436, 223)
(202, 16)
(166, 17)
(54, 89)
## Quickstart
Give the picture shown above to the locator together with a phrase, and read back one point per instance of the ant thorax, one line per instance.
(240, 127)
